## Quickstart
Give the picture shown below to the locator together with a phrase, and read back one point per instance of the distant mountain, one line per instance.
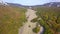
(18, 5)
(14, 4)
(3, 3)
(52, 4)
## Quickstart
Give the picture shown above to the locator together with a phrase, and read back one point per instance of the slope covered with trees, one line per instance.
(49, 18)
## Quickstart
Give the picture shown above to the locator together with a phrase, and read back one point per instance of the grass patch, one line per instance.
(36, 29)
(11, 19)
(50, 19)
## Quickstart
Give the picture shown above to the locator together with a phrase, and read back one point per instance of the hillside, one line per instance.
(18, 5)
(49, 19)
(51, 4)
(13, 16)
(11, 19)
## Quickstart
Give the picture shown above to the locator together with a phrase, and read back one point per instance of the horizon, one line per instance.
(31, 2)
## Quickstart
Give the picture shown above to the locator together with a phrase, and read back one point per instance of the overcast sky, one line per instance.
(31, 2)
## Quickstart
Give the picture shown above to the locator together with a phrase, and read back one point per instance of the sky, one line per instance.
(31, 2)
